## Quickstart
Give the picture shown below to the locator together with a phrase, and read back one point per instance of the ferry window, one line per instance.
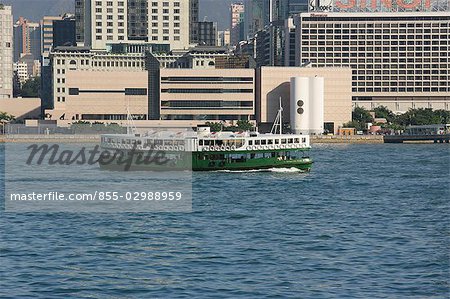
(139, 142)
(303, 139)
(250, 142)
(277, 141)
(207, 142)
(283, 141)
(264, 142)
(297, 140)
(239, 143)
(270, 141)
(168, 142)
(290, 140)
(200, 142)
(257, 142)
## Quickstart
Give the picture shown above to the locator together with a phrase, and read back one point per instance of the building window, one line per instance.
(136, 91)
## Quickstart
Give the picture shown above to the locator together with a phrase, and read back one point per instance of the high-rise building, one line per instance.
(193, 21)
(171, 22)
(27, 39)
(398, 59)
(224, 38)
(47, 34)
(138, 20)
(237, 23)
(79, 20)
(6, 48)
(105, 22)
(207, 33)
(64, 32)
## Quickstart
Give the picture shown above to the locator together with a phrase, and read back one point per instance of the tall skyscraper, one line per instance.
(105, 22)
(207, 34)
(193, 23)
(237, 23)
(79, 20)
(47, 34)
(64, 32)
(170, 22)
(27, 39)
(138, 20)
(6, 50)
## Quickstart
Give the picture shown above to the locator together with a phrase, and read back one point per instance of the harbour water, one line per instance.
(369, 221)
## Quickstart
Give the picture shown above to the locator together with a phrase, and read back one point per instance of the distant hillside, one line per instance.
(34, 10)
(214, 10)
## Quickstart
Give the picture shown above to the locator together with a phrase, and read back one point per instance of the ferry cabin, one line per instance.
(231, 142)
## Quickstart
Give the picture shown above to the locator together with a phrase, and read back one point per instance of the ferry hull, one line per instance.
(215, 161)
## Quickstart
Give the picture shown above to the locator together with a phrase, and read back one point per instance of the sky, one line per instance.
(34, 10)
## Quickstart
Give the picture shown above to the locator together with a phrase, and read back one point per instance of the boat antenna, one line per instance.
(131, 128)
(278, 121)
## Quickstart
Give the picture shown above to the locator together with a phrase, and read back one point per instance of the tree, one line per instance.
(31, 88)
(6, 117)
(244, 125)
(384, 112)
(361, 115)
(359, 126)
(422, 116)
(215, 127)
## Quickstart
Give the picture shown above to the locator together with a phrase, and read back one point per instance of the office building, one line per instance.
(214, 95)
(170, 22)
(47, 30)
(27, 39)
(193, 21)
(80, 9)
(138, 20)
(65, 59)
(396, 58)
(237, 23)
(207, 33)
(104, 22)
(64, 32)
(224, 38)
(6, 48)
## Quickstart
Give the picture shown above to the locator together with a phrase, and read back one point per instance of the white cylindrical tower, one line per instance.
(316, 101)
(300, 105)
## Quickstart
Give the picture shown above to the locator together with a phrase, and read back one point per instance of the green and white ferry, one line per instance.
(204, 150)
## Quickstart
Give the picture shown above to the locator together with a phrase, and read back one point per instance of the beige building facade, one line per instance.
(47, 34)
(207, 94)
(103, 96)
(397, 58)
(22, 108)
(273, 83)
(186, 96)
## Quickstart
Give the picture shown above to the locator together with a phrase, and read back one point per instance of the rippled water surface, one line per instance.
(369, 221)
